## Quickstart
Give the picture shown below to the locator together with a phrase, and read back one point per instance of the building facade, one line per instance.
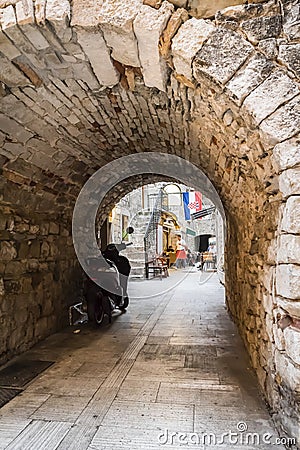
(156, 212)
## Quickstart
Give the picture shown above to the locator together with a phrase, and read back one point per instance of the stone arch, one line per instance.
(84, 84)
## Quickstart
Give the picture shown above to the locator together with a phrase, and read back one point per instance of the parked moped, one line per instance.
(106, 286)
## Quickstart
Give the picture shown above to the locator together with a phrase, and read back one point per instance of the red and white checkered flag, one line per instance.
(194, 205)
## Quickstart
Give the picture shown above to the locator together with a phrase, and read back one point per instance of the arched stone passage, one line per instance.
(82, 85)
(96, 190)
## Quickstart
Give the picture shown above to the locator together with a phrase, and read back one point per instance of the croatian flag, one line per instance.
(192, 202)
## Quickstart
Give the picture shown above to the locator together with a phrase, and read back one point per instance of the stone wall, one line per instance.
(38, 275)
(85, 83)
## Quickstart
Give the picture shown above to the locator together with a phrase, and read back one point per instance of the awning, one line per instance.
(203, 213)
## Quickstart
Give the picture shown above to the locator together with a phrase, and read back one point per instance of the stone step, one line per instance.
(136, 257)
(140, 258)
(137, 264)
(138, 272)
(135, 251)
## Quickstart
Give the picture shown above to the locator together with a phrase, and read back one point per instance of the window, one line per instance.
(174, 194)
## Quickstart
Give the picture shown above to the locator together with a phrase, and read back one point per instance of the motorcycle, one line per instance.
(112, 272)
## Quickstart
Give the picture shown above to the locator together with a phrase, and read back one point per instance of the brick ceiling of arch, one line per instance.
(86, 83)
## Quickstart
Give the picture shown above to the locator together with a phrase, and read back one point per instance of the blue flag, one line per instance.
(186, 201)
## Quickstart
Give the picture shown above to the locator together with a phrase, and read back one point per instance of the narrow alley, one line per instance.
(170, 373)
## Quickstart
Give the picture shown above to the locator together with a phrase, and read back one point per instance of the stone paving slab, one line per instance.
(61, 408)
(156, 371)
(74, 386)
(108, 438)
(163, 349)
(66, 367)
(138, 391)
(23, 406)
(10, 429)
(40, 435)
(200, 340)
(98, 370)
(199, 396)
(152, 416)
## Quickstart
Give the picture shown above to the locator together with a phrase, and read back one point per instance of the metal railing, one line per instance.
(160, 205)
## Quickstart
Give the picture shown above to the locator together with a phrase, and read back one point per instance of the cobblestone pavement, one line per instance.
(168, 371)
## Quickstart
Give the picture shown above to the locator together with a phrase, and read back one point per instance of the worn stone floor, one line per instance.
(170, 373)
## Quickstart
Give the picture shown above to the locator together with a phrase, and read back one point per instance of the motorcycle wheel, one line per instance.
(95, 310)
(124, 304)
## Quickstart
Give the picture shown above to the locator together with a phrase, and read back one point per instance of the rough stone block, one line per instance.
(292, 308)
(288, 281)
(34, 78)
(292, 339)
(287, 154)
(178, 17)
(41, 328)
(268, 47)
(58, 14)
(268, 276)
(221, 55)
(82, 72)
(7, 17)
(40, 11)
(272, 252)
(277, 89)
(291, 216)
(13, 107)
(289, 182)
(95, 48)
(278, 337)
(40, 146)
(85, 13)
(153, 3)
(10, 75)
(258, 68)
(116, 20)
(179, 3)
(53, 228)
(42, 161)
(148, 27)
(291, 25)
(7, 251)
(187, 42)
(2, 290)
(14, 269)
(268, 303)
(12, 150)
(7, 47)
(282, 124)
(35, 249)
(262, 28)
(289, 373)
(207, 8)
(289, 55)
(288, 249)
(12, 128)
(35, 37)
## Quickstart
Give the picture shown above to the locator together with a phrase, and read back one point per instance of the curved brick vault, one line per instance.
(85, 83)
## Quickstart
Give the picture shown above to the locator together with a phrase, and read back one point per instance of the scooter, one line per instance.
(111, 272)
